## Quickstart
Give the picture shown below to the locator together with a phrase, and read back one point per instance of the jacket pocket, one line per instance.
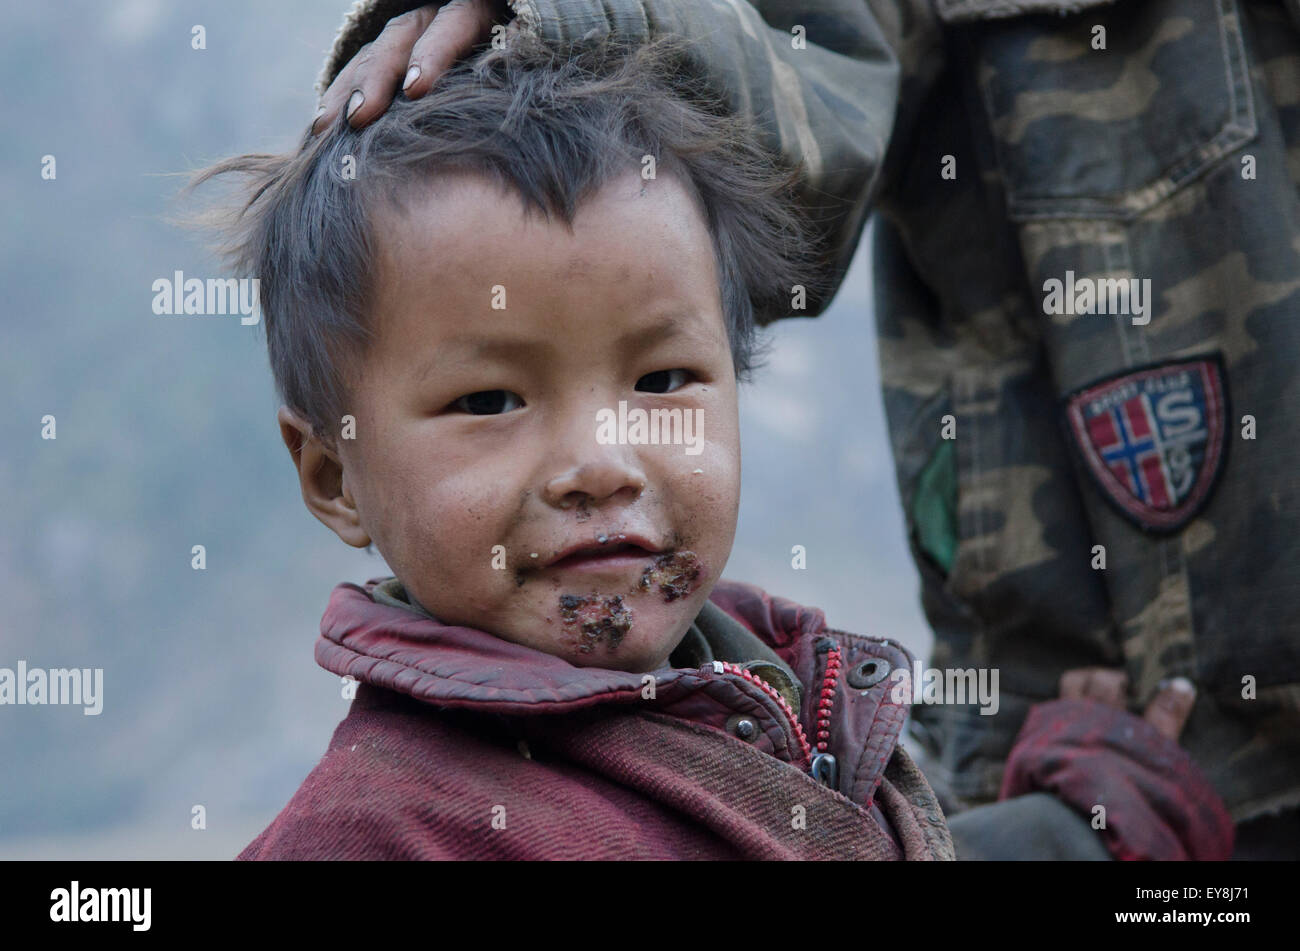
(1104, 113)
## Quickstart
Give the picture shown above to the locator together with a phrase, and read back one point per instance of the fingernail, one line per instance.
(1182, 685)
(412, 75)
(355, 101)
(316, 118)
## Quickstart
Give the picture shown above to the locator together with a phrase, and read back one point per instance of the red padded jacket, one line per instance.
(460, 745)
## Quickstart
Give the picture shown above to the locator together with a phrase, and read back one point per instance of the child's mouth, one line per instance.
(615, 558)
(672, 573)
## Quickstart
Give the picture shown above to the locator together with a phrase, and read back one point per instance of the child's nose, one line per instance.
(598, 480)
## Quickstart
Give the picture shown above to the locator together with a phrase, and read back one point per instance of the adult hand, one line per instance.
(413, 50)
(1167, 712)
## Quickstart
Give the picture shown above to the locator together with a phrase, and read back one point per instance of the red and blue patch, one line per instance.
(1154, 439)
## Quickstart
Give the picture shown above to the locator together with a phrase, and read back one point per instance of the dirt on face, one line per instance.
(674, 573)
(600, 620)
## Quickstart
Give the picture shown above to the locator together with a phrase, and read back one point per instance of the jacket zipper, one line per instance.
(821, 764)
(824, 768)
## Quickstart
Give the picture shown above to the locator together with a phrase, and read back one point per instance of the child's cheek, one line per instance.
(711, 481)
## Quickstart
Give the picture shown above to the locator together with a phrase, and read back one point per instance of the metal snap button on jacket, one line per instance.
(744, 727)
(868, 673)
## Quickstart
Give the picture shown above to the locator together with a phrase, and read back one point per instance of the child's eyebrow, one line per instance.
(663, 328)
(467, 349)
(689, 325)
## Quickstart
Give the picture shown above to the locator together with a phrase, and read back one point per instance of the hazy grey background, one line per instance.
(167, 439)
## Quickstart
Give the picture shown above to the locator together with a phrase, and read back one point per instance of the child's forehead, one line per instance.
(460, 205)
(634, 250)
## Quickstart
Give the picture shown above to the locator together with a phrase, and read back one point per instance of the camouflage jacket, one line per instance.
(1087, 263)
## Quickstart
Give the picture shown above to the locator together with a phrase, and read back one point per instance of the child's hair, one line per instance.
(553, 128)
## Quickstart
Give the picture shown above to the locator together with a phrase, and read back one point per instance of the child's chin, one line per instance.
(632, 634)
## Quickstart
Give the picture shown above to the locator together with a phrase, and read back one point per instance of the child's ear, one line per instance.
(320, 473)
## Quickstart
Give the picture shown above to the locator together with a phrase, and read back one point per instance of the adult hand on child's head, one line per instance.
(413, 50)
(1167, 712)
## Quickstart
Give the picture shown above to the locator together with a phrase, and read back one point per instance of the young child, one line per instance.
(507, 321)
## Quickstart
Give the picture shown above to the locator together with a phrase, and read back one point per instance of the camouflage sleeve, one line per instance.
(818, 79)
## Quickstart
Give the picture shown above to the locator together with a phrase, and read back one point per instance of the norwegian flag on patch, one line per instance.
(1154, 439)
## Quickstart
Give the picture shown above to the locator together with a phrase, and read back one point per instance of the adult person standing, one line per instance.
(1087, 260)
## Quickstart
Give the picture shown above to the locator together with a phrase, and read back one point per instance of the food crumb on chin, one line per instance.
(675, 573)
(602, 620)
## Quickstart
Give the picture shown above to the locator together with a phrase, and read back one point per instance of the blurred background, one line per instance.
(166, 439)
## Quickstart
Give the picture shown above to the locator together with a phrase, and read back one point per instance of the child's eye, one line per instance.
(663, 381)
(488, 402)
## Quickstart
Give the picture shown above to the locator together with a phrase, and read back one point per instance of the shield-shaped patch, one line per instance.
(1154, 439)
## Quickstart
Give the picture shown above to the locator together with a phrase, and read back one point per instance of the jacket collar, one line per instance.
(713, 636)
(399, 647)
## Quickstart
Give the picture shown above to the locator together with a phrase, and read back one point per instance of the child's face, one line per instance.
(476, 463)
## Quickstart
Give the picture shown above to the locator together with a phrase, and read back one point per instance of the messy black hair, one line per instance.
(552, 127)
